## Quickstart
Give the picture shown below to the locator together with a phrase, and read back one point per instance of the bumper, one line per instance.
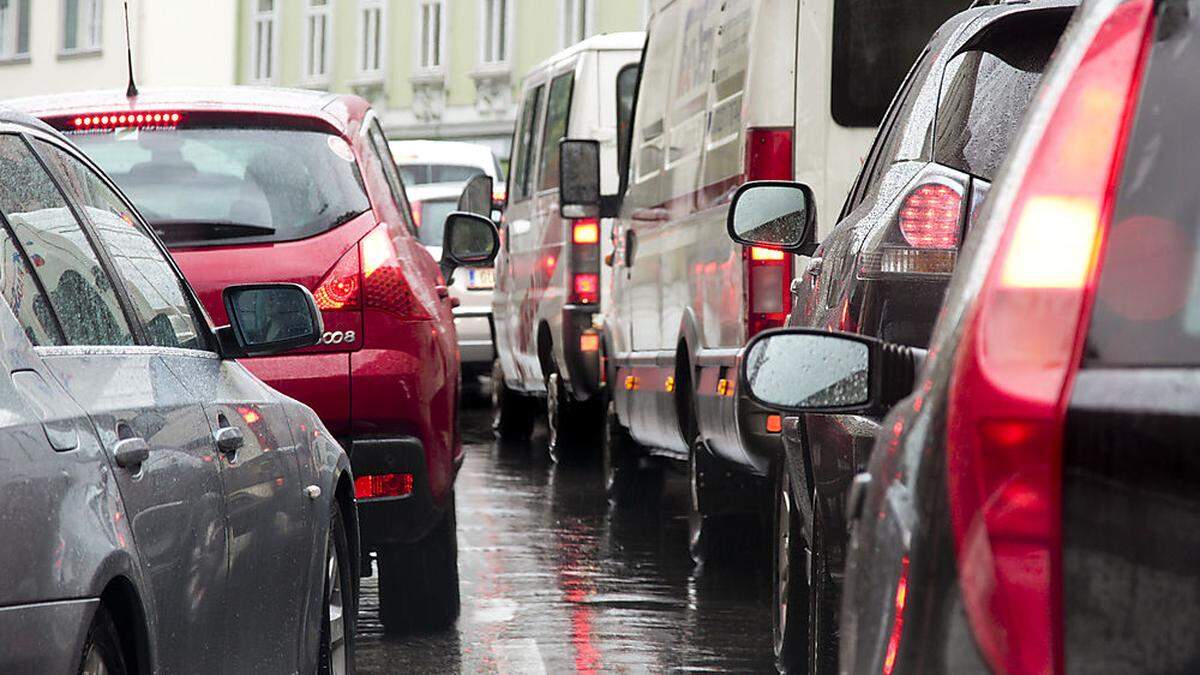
(582, 368)
(392, 520)
(474, 329)
(45, 637)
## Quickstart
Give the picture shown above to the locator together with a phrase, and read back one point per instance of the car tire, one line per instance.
(822, 608)
(102, 649)
(418, 583)
(713, 538)
(339, 606)
(790, 605)
(569, 423)
(626, 482)
(512, 413)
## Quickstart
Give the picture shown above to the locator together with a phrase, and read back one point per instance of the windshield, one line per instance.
(433, 219)
(425, 174)
(211, 186)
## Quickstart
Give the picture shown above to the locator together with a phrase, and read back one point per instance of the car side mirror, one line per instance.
(468, 240)
(801, 370)
(268, 319)
(476, 196)
(579, 184)
(776, 214)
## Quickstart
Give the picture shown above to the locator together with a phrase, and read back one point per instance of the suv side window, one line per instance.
(155, 290)
(390, 172)
(524, 145)
(80, 292)
(558, 118)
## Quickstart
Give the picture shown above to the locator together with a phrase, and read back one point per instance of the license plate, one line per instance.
(482, 277)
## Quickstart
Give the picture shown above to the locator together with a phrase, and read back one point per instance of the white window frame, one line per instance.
(11, 20)
(368, 38)
(89, 29)
(314, 16)
(570, 14)
(256, 50)
(492, 35)
(425, 52)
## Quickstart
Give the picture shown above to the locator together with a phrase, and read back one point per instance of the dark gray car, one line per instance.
(161, 509)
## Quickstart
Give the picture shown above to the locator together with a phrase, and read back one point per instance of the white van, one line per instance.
(550, 279)
(731, 91)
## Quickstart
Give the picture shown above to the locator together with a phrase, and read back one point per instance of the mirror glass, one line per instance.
(580, 167)
(469, 238)
(807, 371)
(772, 214)
(272, 315)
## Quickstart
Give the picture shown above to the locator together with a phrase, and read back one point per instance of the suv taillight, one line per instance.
(924, 238)
(585, 262)
(768, 272)
(1021, 348)
(930, 216)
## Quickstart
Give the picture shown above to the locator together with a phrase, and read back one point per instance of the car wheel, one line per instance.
(626, 482)
(790, 616)
(512, 414)
(822, 609)
(339, 607)
(712, 537)
(101, 651)
(418, 583)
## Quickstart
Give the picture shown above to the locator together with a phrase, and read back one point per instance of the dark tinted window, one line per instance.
(874, 45)
(210, 186)
(985, 93)
(1147, 310)
(627, 81)
(424, 174)
(558, 117)
(81, 293)
(155, 291)
(523, 149)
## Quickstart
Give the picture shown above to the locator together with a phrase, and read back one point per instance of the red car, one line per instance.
(263, 185)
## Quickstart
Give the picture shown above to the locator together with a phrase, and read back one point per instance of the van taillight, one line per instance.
(585, 262)
(415, 207)
(768, 272)
(1020, 351)
(930, 216)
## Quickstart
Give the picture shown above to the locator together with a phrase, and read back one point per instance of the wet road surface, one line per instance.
(555, 580)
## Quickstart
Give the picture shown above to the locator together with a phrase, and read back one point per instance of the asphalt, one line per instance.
(555, 580)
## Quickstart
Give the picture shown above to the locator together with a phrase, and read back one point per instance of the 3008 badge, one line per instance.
(337, 337)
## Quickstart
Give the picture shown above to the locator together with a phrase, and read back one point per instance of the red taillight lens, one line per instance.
(585, 262)
(930, 216)
(384, 285)
(118, 120)
(768, 272)
(586, 288)
(769, 154)
(1021, 348)
(341, 288)
(585, 232)
(383, 485)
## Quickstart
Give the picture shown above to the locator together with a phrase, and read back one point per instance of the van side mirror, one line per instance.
(469, 240)
(476, 196)
(268, 319)
(800, 370)
(775, 214)
(579, 184)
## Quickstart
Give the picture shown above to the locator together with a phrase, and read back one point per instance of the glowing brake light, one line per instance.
(1053, 244)
(587, 288)
(340, 289)
(930, 216)
(585, 232)
(760, 253)
(377, 249)
(585, 262)
(768, 272)
(120, 120)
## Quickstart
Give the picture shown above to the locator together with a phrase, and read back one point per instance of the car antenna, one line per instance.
(132, 90)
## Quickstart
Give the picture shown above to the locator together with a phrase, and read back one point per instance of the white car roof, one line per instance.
(444, 152)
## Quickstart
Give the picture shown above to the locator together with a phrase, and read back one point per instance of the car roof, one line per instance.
(626, 41)
(442, 152)
(435, 191)
(13, 116)
(337, 110)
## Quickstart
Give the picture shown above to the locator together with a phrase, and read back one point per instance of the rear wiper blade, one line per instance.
(185, 229)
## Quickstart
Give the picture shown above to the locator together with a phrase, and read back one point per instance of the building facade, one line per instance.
(55, 46)
(434, 69)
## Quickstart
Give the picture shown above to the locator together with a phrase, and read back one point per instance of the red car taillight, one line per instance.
(585, 262)
(768, 272)
(341, 288)
(931, 215)
(1020, 351)
(383, 485)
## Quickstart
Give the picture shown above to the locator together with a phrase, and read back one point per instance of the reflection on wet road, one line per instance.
(554, 580)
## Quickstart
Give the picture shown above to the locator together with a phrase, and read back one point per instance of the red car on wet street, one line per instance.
(268, 185)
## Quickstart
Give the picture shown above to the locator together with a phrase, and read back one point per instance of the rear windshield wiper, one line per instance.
(193, 230)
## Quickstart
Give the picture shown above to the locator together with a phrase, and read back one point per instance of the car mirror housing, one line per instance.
(800, 370)
(268, 319)
(579, 173)
(775, 214)
(469, 240)
(476, 196)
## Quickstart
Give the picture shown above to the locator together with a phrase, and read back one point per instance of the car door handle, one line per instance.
(229, 439)
(814, 268)
(131, 452)
(857, 496)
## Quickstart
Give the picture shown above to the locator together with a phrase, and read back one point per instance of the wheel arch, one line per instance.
(684, 371)
(124, 604)
(545, 350)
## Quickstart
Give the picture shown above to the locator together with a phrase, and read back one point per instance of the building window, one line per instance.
(14, 29)
(433, 34)
(318, 32)
(81, 25)
(262, 40)
(494, 39)
(576, 21)
(370, 37)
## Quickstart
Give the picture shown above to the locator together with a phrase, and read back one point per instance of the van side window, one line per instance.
(649, 123)
(627, 80)
(79, 289)
(523, 149)
(558, 119)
